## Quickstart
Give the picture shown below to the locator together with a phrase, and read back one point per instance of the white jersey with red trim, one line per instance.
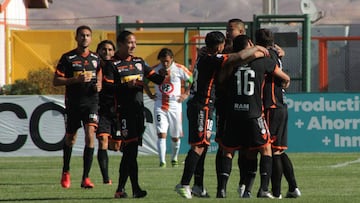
(168, 93)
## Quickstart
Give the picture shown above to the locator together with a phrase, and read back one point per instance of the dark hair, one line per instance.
(235, 20)
(264, 37)
(82, 27)
(214, 38)
(102, 44)
(122, 36)
(164, 52)
(240, 42)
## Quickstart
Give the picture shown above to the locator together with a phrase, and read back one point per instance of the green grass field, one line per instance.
(322, 178)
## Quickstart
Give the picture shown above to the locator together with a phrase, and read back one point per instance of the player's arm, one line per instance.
(60, 79)
(150, 74)
(147, 90)
(282, 75)
(99, 77)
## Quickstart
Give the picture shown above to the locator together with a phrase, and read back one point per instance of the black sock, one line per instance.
(218, 165)
(191, 161)
(265, 172)
(124, 168)
(133, 167)
(242, 167)
(103, 160)
(276, 175)
(87, 159)
(288, 172)
(251, 165)
(199, 170)
(225, 173)
(67, 150)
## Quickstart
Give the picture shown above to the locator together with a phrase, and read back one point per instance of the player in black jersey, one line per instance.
(128, 73)
(234, 28)
(200, 106)
(107, 109)
(245, 110)
(79, 70)
(276, 113)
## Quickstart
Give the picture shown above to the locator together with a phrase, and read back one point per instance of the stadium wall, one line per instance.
(34, 125)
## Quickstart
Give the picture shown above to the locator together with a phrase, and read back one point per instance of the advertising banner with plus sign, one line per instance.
(324, 122)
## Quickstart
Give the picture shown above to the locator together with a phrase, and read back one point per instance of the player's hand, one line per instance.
(279, 50)
(163, 72)
(98, 86)
(262, 49)
(182, 97)
(285, 84)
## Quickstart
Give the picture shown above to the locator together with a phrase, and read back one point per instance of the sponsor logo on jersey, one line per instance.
(138, 66)
(95, 63)
(166, 88)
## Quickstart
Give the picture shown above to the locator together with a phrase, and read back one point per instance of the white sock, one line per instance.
(161, 144)
(175, 150)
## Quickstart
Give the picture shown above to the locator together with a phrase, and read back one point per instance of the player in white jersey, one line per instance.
(168, 108)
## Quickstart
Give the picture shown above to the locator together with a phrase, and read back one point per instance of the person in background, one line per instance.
(168, 103)
(276, 117)
(79, 71)
(128, 77)
(107, 110)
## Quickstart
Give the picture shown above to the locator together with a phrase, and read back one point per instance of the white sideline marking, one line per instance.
(345, 163)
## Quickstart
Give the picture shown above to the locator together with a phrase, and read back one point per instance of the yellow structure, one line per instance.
(35, 49)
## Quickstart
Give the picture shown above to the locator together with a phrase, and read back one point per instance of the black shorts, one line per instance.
(106, 126)
(131, 123)
(200, 124)
(80, 114)
(245, 134)
(277, 121)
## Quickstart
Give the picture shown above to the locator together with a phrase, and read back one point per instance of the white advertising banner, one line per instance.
(33, 125)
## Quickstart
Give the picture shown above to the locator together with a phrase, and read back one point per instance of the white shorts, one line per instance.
(168, 121)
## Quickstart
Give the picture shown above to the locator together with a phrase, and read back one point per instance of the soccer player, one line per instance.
(200, 106)
(276, 118)
(234, 28)
(168, 108)
(245, 110)
(128, 74)
(107, 110)
(79, 70)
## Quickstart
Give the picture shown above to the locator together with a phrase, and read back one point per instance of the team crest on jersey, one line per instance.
(166, 88)
(95, 63)
(138, 66)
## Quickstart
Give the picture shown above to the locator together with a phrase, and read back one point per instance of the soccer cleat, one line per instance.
(247, 194)
(139, 194)
(86, 183)
(264, 194)
(199, 191)
(280, 197)
(183, 191)
(174, 163)
(107, 182)
(65, 180)
(294, 194)
(221, 193)
(120, 194)
(162, 165)
(241, 190)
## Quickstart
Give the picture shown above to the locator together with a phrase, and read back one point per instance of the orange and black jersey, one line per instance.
(203, 88)
(273, 93)
(129, 69)
(72, 64)
(246, 87)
